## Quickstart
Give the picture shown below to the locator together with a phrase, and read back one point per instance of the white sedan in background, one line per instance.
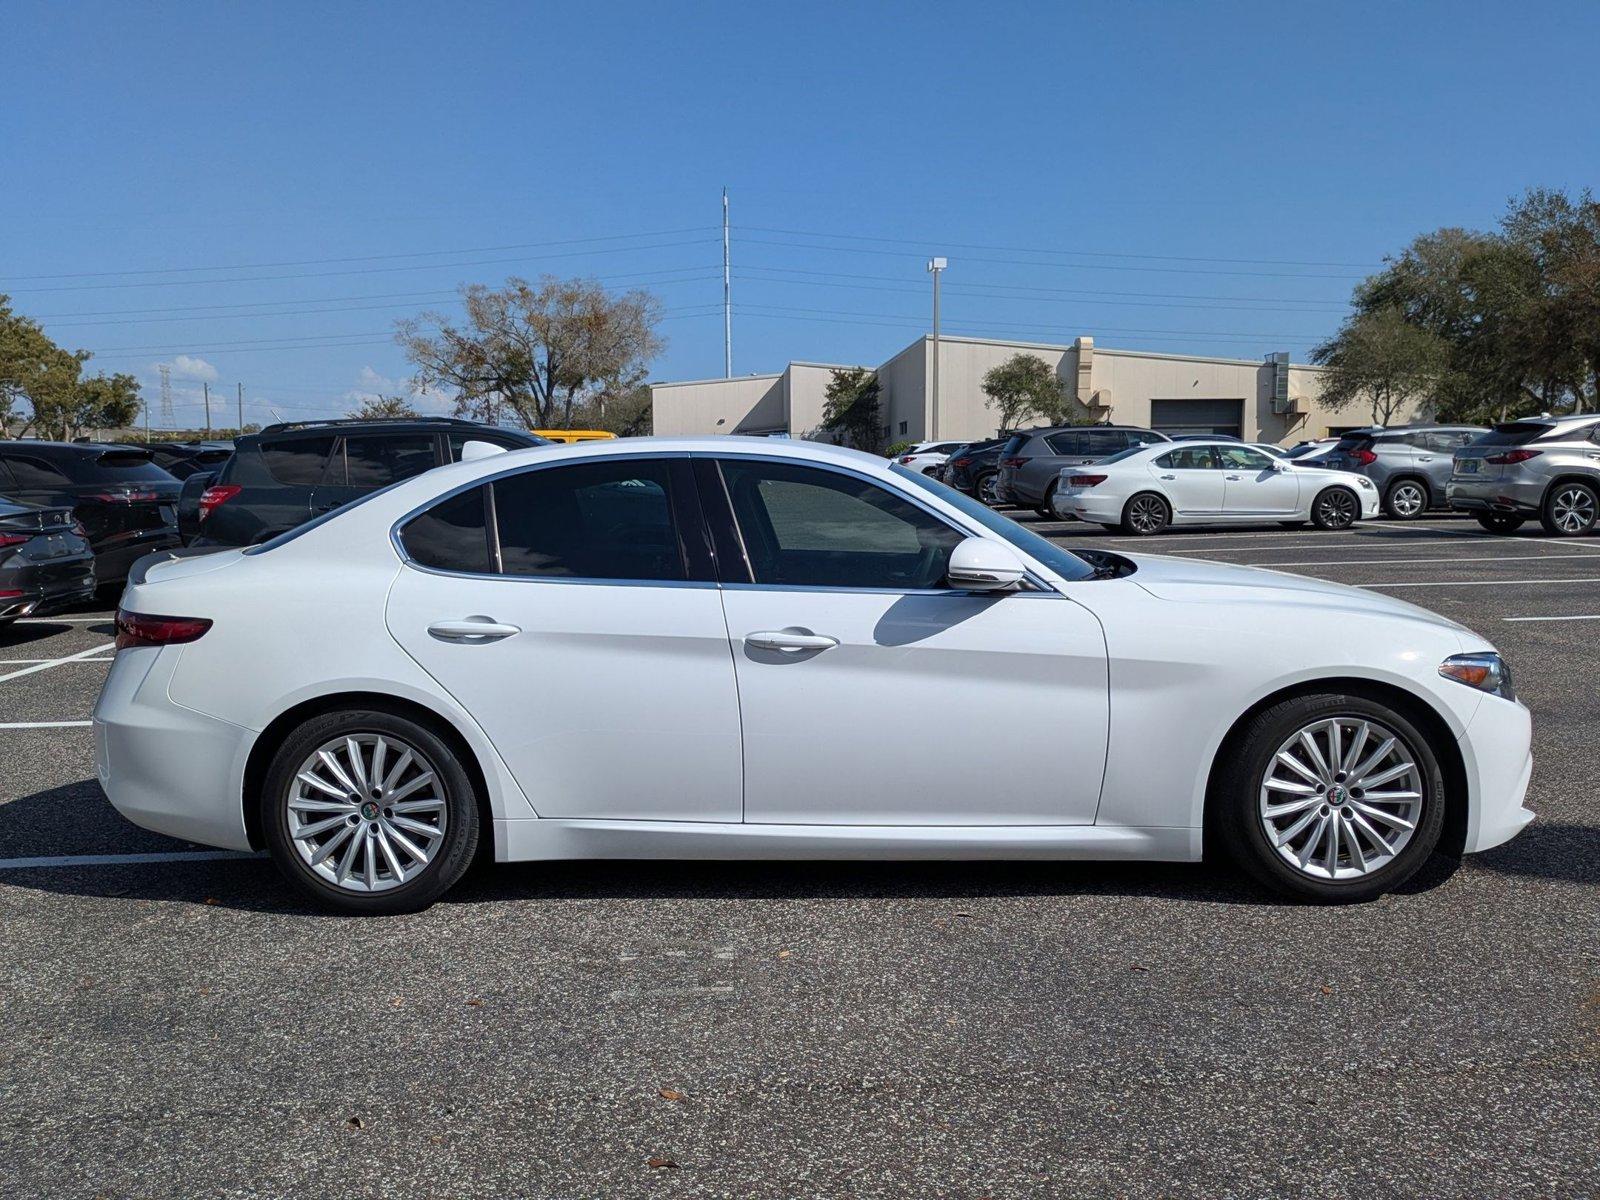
(1147, 489)
(928, 457)
(707, 648)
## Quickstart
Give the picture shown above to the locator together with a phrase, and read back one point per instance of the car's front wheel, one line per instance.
(1335, 508)
(1330, 798)
(369, 811)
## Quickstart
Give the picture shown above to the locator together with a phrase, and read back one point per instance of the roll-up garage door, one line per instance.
(1173, 417)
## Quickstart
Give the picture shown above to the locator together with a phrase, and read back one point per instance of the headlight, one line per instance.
(1486, 671)
(1363, 481)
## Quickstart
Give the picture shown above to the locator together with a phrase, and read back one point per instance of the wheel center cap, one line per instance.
(369, 810)
(1337, 795)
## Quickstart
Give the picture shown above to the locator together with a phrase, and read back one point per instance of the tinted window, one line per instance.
(1101, 442)
(1068, 443)
(1243, 458)
(804, 526)
(30, 471)
(598, 520)
(451, 535)
(115, 466)
(1013, 445)
(1144, 437)
(1120, 455)
(1189, 458)
(1517, 433)
(297, 462)
(377, 460)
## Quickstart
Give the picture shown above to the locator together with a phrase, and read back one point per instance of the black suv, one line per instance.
(126, 504)
(287, 474)
(183, 459)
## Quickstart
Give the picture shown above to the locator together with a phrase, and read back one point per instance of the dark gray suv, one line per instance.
(1410, 464)
(1031, 462)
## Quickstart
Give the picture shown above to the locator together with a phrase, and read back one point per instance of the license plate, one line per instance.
(55, 546)
(1467, 466)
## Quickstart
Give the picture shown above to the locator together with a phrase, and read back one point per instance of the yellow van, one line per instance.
(569, 436)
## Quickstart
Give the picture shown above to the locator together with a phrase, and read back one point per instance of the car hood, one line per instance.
(1191, 582)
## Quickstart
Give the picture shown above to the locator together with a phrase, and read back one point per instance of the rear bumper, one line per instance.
(1508, 496)
(47, 589)
(1496, 749)
(164, 767)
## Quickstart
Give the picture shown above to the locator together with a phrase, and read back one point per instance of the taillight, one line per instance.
(77, 528)
(123, 497)
(218, 493)
(961, 462)
(12, 539)
(141, 629)
(1084, 480)
(1511, 457)
(1363, 458)
(905, 458)
(1013, 463)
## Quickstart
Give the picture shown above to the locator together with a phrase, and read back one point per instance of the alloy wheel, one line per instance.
(1336, 509)
(1147, 514)
(366, 812)
(989, 490)
(1341, 798)
(1572, 509)
(1407, 499)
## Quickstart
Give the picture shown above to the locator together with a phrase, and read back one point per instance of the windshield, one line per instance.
(1059, 559)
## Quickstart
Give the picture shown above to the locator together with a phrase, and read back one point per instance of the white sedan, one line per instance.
(928, 457)
(1147, 489)
(708, 648)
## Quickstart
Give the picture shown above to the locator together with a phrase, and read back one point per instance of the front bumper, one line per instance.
(1497, 752)
(163, 766)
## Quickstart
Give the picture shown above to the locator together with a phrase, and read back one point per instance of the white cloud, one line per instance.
(372, 383)
(186, 367)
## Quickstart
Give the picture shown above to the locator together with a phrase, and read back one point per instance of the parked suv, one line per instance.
(1410, 464)
(1031, 462)
(287, 474)
(975, 468)
(1544, 467)
(125, 503)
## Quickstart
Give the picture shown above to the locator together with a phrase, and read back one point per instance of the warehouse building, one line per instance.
(1270, 399)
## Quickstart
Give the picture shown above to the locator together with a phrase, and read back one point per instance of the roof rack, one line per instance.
(460, 422)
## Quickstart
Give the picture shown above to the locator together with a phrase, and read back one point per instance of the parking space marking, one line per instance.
(55, 662)
(115, 860)
(66, 620)
(17, 662)
(1479, 582)
(1578, 617)
(1381, 562)
(45, 724)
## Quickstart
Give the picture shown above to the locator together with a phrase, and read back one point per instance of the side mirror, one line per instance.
(1279, 464)
(473, 450)
(983, 565)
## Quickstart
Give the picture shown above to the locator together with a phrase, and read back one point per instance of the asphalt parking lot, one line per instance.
(184, 1026)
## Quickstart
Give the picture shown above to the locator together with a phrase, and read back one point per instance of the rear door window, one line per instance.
(298, 462)
(116, 466)
(457, 440)
(377, 460)
(1072, 443)
(1188, 458)
(1101, 442)
(452, 535)
(32, 471)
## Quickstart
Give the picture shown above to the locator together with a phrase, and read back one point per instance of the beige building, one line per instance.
(1270, 400)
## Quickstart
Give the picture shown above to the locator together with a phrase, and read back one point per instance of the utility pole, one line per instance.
(241, 408)
(207, 388)
(727, 297)
(935, 267)
(146, 406)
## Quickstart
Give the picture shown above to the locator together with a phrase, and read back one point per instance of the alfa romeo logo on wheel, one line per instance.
(369, 810)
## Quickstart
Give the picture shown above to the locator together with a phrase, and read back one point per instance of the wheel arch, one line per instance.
(1569, 476)
(269, 739)
(1408, 475)
(1453, 838)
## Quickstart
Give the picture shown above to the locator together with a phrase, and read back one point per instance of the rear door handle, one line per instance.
(1425, 458)
(1169, 477)
(472, 631)
(1235, 478)
(790, 641)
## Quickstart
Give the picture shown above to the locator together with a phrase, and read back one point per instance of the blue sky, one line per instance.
(255, 193)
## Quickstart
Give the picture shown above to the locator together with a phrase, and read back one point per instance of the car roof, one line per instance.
(64, 448)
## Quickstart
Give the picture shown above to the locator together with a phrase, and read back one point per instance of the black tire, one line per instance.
(983, 489)
(1335, 508)
(1292, 524)
(1499, 522)
(1142, 518)
(1406, 499)
(449, 860)
(1047, 510)
(1570, 509)
(1241, 773)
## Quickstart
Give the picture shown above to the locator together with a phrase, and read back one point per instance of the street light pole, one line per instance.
(935, 267)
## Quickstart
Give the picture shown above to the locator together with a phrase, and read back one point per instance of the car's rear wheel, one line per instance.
(1335, 508)
(369, 812)
(1570, 510)
(1500, 522)
(1145, 514)
(1048, 508)
(1330, 798)
(989, 490)
(1406, 499)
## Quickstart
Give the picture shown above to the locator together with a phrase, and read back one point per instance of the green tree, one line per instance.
(537, 352)
(1380, 360)
(1025, 386)
(32, 367)
(852, 408)
(374, 407)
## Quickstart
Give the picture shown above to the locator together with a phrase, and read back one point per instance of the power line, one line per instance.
(315, 262)
(924, 242)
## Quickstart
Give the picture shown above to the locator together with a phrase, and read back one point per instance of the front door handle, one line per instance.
(1425, 458)
(1169, 477)
(472, 631)
(791, 641)
(1235, 478)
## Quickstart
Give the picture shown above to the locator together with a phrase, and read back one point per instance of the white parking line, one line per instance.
(64, 620)
(1579, 617)
(45, 724)
(55, 662)
(1478, 582)
(114, 860)
(1381, 562)
(17, 662)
